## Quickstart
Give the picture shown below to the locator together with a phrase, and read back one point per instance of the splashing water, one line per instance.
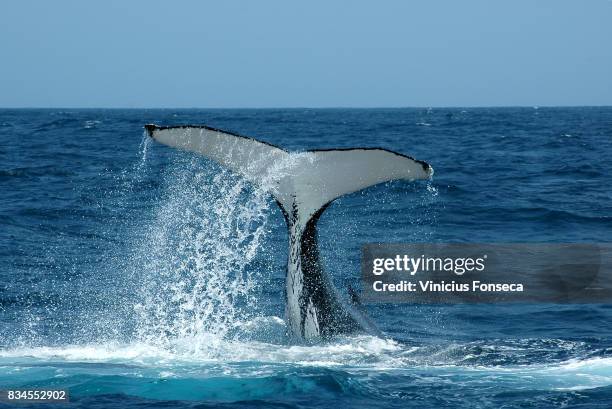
(195, 277)
(143, 149)
(193, 271)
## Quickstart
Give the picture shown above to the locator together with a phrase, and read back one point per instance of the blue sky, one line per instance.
(386, 53)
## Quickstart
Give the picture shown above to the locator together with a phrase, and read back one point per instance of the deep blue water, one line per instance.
(134, 275)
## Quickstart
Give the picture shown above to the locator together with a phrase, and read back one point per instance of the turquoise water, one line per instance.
(136, 275)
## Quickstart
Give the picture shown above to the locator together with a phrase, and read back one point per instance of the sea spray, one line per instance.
(195, 276)
(193, 272)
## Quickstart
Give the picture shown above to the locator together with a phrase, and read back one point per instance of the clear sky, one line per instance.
(316, 53)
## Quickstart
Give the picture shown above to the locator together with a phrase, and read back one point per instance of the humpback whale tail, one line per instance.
(303, 184)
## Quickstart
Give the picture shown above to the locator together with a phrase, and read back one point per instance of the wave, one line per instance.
(243, 369)
(358, 352)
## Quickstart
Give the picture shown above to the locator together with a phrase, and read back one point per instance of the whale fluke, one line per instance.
(303, 184)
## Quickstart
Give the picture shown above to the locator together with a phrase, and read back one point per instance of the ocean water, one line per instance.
(134, 275)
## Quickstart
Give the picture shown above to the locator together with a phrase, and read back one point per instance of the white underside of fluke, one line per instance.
(306, 180)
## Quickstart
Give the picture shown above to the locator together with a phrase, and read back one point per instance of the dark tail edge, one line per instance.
(150, 128)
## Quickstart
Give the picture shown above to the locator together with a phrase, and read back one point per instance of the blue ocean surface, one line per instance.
(135, 275)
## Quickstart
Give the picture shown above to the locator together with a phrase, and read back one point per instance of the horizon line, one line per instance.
(534, 106)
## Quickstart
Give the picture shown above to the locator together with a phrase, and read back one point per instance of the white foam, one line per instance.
(208, 348)
(211, 356)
